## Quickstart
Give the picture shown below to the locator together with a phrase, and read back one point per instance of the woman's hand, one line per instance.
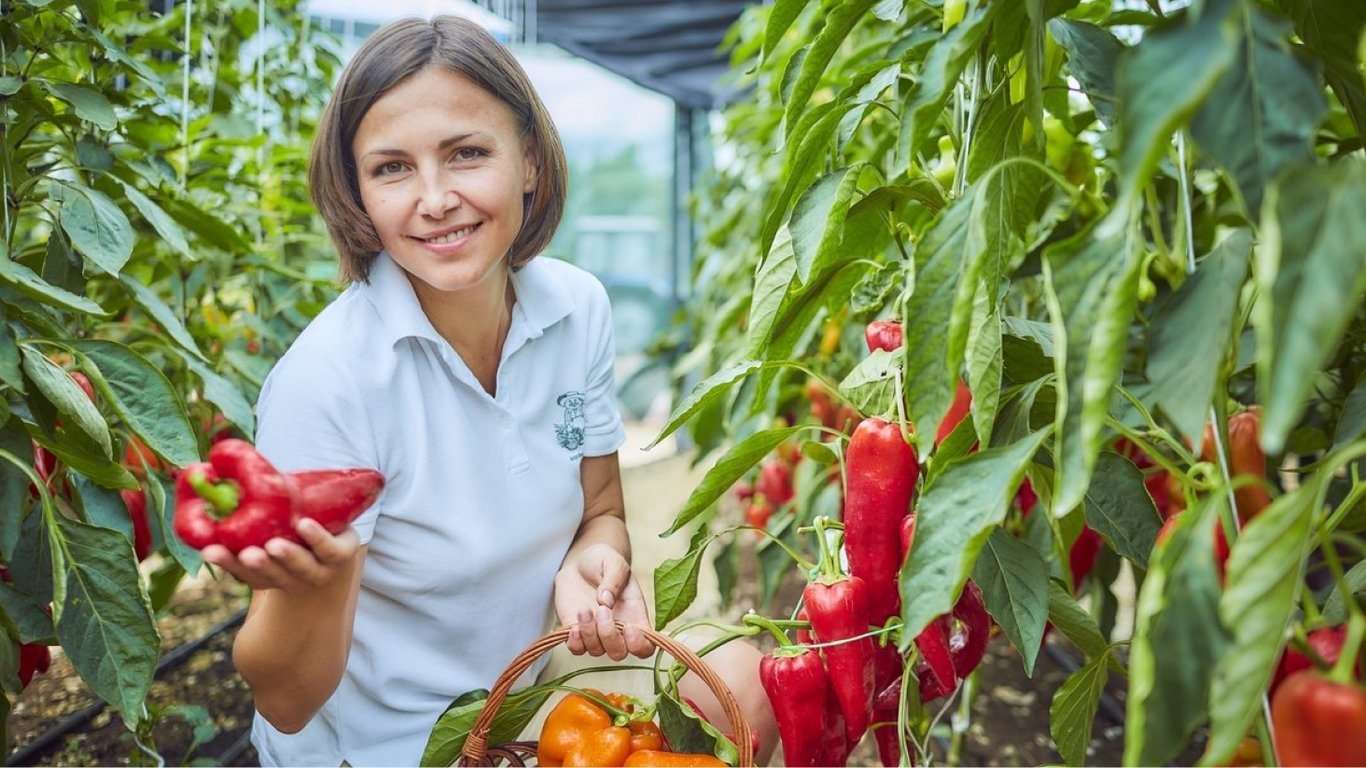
(593, 589)
(289, 567)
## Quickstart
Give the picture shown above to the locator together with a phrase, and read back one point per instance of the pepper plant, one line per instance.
(1115, 235)
(158, 244)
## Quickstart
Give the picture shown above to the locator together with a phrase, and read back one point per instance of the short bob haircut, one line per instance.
(396, 52)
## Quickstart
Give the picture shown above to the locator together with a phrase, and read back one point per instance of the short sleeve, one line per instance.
(604, 432)
(311, 415)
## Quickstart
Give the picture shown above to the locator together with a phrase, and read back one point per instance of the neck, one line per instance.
(475, 322)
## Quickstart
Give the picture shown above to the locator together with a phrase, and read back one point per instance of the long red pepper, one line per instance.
(970, 646)
(835, 743)
(888, 664)
(881, 471)
(838, 611)
(795, 682)
(1317, 721)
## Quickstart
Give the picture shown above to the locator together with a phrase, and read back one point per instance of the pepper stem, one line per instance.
(755, 620)
(1342, 671)
(829, 565)
(223, 496)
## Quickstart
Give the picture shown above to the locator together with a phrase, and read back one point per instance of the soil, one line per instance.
(200, 693)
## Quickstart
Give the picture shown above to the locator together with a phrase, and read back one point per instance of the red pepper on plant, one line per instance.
(881, 472)
(1245, 458)
(795, 681)
(837, 607)
(136, 501)
(958, 410)
(1318, 721)
(888, 664)
(886, 335)
(758, 513)
(775, 482)
(34, 659)
(1325, 642)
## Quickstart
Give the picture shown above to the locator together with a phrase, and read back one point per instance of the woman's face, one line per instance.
(442, 170)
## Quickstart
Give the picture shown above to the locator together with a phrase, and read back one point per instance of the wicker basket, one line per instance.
(478, 752)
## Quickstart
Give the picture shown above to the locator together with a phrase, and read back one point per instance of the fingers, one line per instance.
(289, 566)
(598, 633)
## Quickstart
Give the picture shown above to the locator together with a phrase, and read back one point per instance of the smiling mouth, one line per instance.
(450, 237)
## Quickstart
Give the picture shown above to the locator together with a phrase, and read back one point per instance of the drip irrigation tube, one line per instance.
(27, 754)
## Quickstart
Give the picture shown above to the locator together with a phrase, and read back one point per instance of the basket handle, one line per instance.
(476, 744)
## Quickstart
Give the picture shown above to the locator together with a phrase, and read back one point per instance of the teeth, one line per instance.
(451, 237)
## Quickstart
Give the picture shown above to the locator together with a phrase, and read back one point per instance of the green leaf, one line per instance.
(1092, 53)
(871, 386)
(1261, 116)
(932, 361)
(1073, 713)
(1178, 640)
(1190, 333)
(1265, 571)
(726, 572)
(11, 370)
(690, 734)
(224, 393)
(1311, 272)
(14, 483)
(1352, 422)
(1092, 289)
(10, 85)
(1014, 582)
(807, 148)
(164, 225)
(818, 219)
(29, 282)
(164, 315)
(143, 398)
(1332, 32)
(956, 515)
(89, 105)
(730, 467)
(708, 391)
(1119, 508)
(96, 226)
(838, 23)
(676, 585)
(103, 507)
(985, 363)
(71, 401)
(939, 75)
(104, 619)
(1335, 607)
(781, 15)
(771, 287)
(447, 737)
(161, 515)
(1161, 82)
(1074, 622)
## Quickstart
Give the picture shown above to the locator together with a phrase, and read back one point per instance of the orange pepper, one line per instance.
(578, 732)
(645, 735)
(649, 757)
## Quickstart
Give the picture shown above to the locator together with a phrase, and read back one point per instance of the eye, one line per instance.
(466, 154)
(389, 168)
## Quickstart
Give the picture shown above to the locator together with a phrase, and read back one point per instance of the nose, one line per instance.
(438, 194)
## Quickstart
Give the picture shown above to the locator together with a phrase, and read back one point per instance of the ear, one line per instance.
(530, 168)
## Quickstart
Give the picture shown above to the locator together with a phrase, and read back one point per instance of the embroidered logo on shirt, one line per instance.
(569, 432)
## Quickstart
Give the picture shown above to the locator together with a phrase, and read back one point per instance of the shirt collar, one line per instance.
(540, 302)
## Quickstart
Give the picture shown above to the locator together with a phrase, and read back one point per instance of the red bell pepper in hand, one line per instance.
(881, 471)
(795, 683)
(1319, 722)
(886, 335)
(239, 499)
(838, 611)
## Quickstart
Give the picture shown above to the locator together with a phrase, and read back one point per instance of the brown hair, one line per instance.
(396, 52)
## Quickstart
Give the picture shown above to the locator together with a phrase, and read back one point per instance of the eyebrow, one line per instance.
(446, 143)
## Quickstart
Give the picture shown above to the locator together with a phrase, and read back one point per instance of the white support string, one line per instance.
(260, 117)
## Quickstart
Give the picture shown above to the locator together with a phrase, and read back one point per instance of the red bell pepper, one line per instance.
(758, 513)
(962, 405)
(1326, 642)
(881, 472)
(796, 684)
(33, 659)
(1319, 722)
(775, 482)
(239, 499)
(136, 501)
(838, 611)
(886, 335)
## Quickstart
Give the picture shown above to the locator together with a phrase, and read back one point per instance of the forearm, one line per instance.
(292, 649)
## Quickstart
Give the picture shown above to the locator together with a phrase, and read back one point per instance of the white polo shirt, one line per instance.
(482, 500)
